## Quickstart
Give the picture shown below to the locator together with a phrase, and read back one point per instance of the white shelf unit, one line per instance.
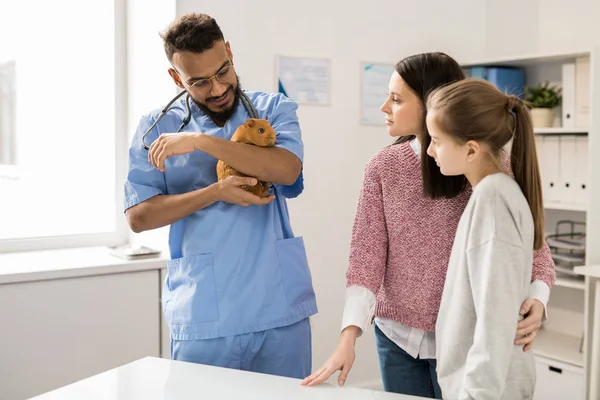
(560, 131)
(527, 60)
(565, 206)
(572, 283)
(562, 360)
(559, 347)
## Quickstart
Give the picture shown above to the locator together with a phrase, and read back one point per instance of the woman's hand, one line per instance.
(341, 359)
(527, 329)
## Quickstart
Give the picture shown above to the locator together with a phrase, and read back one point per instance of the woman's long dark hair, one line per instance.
(424, 73)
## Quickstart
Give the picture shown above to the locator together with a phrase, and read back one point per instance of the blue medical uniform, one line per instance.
(238, 292)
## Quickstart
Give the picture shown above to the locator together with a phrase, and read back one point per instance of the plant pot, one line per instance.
(542, 117)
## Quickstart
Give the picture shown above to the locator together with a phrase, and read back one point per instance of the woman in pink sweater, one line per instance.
(402, 238)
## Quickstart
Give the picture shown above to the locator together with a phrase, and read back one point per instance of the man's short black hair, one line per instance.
(193, 32)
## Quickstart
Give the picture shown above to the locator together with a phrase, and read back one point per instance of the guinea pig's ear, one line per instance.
(250, 123)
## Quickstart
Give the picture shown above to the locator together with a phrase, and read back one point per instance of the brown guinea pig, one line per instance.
(257, 132)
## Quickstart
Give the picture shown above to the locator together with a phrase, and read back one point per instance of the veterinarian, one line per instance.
(238, 292)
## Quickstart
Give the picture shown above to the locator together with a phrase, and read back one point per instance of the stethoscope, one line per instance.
(243, 97)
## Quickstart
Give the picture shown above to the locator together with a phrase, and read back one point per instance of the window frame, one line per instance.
(10, 137)
(121, 233)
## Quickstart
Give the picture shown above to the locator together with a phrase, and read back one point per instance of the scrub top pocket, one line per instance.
(192, 294)
(295, 273)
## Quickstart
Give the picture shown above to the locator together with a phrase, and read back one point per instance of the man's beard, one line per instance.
(221, 117)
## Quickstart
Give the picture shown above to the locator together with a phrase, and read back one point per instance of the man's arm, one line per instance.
(147, 202)
(269, 164)
(163, 210)
(280, 164)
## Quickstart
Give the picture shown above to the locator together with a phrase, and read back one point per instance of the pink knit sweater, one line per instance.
(401, 240)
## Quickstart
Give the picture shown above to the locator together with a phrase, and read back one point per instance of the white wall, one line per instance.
(336, 146)
(540, 26)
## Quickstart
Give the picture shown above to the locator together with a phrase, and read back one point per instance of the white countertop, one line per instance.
(68, 263)
(154, 378)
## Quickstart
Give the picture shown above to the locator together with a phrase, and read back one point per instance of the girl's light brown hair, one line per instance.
(474, 109)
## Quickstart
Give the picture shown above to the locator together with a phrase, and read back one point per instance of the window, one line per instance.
(7, 113)
(61, 123)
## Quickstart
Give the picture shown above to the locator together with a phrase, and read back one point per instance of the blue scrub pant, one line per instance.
(284, 351)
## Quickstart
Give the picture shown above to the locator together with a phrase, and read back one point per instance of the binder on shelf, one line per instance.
(567, 165)
(548, 150)
(582, 92)
(509, 80)
(568, 95)
(581, 176)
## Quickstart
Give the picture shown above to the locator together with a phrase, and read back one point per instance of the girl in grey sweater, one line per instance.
(470, 122)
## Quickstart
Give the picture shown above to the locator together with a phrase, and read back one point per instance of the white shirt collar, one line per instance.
(416, 146)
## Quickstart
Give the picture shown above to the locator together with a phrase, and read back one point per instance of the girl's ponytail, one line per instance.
(524, 164)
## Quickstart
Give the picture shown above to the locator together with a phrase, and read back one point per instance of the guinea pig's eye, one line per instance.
(261, 130)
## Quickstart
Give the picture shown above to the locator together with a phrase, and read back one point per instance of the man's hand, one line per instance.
(341, 359)
(533, 309)
(171, 144)
(229, 191)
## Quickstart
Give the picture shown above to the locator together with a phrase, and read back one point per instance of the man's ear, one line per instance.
(228, 49)
(176, 78)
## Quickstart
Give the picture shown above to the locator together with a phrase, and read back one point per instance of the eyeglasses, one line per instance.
(225, 75)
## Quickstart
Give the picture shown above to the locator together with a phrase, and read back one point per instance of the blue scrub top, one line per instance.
(233, 269)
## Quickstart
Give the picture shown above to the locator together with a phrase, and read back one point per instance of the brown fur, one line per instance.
(257, 132)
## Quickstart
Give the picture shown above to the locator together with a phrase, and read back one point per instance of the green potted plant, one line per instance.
(543, 99)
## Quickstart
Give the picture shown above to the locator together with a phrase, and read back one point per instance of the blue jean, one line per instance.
(284, 351)
(401, 373)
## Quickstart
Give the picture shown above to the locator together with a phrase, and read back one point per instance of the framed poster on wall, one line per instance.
(375, 78)
(304, 80)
